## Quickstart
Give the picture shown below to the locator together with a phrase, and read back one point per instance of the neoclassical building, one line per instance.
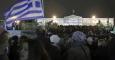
(78, 20)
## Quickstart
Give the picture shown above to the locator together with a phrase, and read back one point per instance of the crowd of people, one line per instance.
(59, 43)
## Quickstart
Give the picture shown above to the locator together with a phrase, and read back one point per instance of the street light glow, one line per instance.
(54, 17)
(93, 17)
(17, 22)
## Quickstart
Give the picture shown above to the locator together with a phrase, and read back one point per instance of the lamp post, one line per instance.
(93, 17)
(54, 19)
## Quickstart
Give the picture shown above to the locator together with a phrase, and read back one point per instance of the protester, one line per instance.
(61, 43)
(23, 48)
(14, 48)
(3, 44)
(112, 46)
(55, 39)
(78, 49)
(36, 49)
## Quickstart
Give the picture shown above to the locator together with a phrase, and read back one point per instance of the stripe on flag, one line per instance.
(24, 10)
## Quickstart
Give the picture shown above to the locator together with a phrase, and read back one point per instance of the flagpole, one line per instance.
(43, 15)
(42, 5)
(5, 25)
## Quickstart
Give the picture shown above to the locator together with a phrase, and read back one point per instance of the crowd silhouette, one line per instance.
(59, 43)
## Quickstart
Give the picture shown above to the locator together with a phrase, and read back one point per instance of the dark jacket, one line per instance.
(37, 51)
(112, 49)
(78, 47)
(78, 53)
(53, 52)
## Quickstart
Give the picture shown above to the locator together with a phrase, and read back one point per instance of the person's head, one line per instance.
(14, 38)
(90, 40)
(23, 39)
(79, 37)
(55, 39)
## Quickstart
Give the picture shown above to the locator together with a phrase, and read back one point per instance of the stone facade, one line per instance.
(78, 20)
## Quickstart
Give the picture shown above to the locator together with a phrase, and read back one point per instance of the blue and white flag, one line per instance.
(24, 10)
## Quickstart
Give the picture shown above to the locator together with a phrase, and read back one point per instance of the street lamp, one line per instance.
(54, 19)
(93, 17)
(95, 21)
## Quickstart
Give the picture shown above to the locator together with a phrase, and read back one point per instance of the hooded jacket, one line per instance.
(78, 49)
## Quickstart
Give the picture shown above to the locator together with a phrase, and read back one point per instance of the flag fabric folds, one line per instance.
(24, 10)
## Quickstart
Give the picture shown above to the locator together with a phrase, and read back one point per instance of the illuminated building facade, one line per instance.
(78, 20)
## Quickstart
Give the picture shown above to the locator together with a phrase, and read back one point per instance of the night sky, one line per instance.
(61, 8)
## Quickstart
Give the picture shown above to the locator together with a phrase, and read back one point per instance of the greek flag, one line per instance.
(24, 10)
